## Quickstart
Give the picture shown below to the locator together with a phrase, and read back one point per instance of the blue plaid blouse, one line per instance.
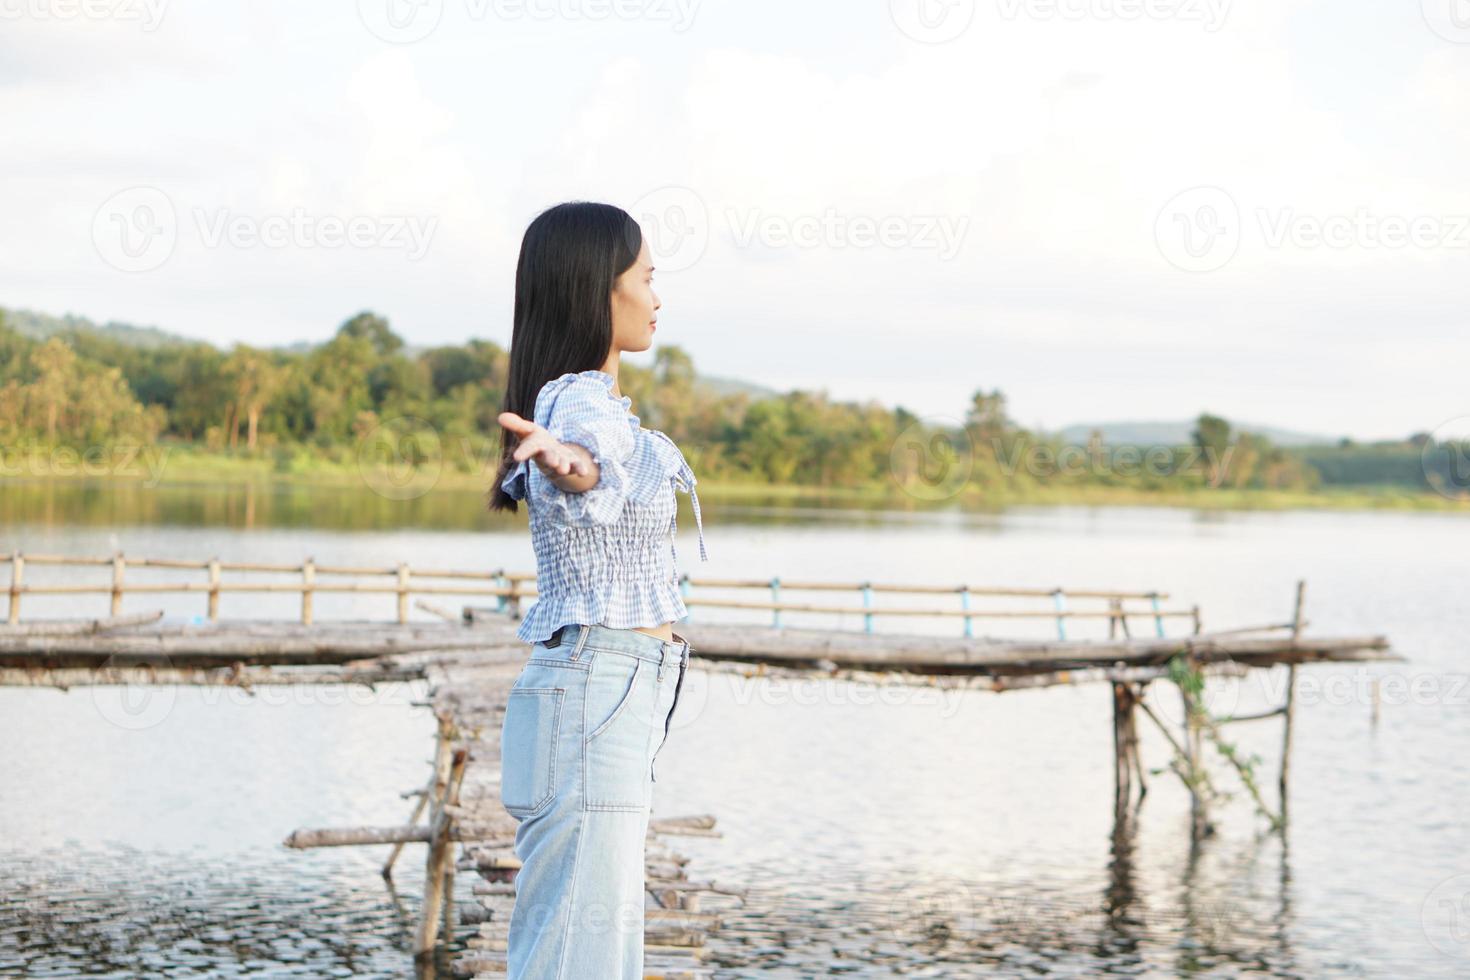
(600, 555)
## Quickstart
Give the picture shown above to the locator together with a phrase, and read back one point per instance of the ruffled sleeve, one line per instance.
(581, 409)
(515, 480)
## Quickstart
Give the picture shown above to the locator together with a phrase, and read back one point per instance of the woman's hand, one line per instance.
(536, 444)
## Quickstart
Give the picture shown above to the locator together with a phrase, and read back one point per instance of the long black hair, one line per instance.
(571, 255)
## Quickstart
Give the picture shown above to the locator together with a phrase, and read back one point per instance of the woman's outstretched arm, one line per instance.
(567, 465)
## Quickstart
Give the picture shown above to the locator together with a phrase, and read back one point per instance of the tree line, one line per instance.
(81, 387)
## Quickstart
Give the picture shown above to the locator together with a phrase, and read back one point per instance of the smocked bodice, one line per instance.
(606, 555)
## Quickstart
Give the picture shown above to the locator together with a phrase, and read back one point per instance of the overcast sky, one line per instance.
(1109, 209)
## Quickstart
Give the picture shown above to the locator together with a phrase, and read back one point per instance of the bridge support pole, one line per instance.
(1125, 750)
(439, 866)
(1288, 710)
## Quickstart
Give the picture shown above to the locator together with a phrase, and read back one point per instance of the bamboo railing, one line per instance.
(509, 589)
(405, 581)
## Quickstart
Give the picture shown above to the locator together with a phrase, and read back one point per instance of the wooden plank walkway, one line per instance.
(142, 642)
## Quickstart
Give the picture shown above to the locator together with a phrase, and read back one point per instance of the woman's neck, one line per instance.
(610, 366)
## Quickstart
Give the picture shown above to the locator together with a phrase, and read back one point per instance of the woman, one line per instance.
(590, 709)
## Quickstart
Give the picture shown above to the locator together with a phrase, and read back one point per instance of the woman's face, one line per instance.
(634, 305)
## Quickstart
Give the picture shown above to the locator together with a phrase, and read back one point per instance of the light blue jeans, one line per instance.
(583, 724)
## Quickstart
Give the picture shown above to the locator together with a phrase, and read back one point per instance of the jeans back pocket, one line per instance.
(529, 737)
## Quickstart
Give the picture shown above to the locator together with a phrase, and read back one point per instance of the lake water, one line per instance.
(882, 832)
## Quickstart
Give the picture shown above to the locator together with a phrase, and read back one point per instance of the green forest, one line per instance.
(310, 407)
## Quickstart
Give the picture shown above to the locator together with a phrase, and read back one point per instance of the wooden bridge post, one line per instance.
(17, 574)
(513, 601)
(214, 590)
(1125, 732)
(1288, 711)
(308, 581)
(118, 564)
(1193, 742)
(425, 795)
(1117, 619)
(441, 846)
(1125, 747)
(1137, 699)
(402, 592)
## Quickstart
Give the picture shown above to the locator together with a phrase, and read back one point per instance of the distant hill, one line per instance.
(1179, 433)
(41, 326)
(723, 387)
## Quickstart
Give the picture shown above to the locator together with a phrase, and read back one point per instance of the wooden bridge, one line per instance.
(471, 658)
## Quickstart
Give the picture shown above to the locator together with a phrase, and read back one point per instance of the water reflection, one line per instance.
(126, 913)
(896, 924)
(242, 505)
(352, 505)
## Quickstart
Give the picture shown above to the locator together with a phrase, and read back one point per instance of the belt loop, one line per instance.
(584, 632)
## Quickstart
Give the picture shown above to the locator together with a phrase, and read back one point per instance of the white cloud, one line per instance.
(1052, 143)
